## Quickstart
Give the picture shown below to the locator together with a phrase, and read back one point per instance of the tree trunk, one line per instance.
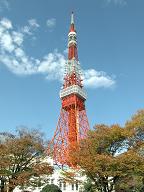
(10, 189)
(104, 183)
(2, 185)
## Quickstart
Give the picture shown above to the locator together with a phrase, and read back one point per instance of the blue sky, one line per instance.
(33, 42)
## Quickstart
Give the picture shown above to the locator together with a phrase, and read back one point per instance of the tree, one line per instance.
(136, 143)
(20, 160)
(51, 188)
(89, 186)
(110, 154)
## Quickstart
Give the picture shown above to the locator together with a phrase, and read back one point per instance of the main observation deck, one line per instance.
(74, 89)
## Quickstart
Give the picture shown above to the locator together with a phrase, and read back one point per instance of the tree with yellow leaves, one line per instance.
(20, 160)
(113, 154)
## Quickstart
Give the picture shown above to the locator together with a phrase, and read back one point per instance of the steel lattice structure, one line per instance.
(73, 122)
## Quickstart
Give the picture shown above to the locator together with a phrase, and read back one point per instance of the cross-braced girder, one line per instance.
(71, 128)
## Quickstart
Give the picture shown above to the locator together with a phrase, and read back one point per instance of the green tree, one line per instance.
(51, 188)
(20, 160)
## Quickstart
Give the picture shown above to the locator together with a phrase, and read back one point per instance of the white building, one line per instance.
(58, 178)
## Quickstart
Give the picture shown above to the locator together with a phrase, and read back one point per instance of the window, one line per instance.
(60, 184)
(76, 186)
(72, 186)
(64, 186)
(52, 181)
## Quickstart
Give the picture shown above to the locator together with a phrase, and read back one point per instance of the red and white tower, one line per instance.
(73, 122)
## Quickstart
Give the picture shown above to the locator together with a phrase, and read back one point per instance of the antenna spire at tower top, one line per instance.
(72, 25)
(72, 17)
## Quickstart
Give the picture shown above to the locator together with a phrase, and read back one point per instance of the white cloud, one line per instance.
(96, 79)
(17, 38)
(33, 23)
(51, 23)
(13, 55)
(19, 53)
(6, 42)
(53, 65)
(30, 27)
(5, 23)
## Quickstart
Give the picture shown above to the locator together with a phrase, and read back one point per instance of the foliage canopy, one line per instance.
(20, 160)
(112, 157)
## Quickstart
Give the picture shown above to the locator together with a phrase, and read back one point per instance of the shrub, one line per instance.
(51, 188)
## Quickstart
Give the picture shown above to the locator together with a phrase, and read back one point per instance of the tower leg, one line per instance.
(71, 128)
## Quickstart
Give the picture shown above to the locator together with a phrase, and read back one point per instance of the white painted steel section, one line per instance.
(73, 66)
(72, 38)
(73, 89)
(72, 41)
(72, 33)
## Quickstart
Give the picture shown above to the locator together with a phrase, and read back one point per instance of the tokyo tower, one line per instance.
(73, 122)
